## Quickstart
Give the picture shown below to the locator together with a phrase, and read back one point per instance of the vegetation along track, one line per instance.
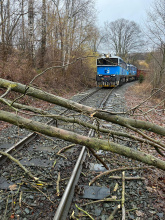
(23, 198)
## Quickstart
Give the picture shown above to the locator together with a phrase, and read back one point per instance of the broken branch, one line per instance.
(20, 165)
(95, 143)
(115, 170)
(123, 196)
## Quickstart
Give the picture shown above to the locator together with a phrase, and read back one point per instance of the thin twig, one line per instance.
(114, 212)
(42, 193)
(126, 178)
(73, 217)
(20, 198)
(62, 156)
(102, 200)
(66, 148)
(123, 195)
(115, 170)
(54, 163)
(84, 212)
(4, 217)
(58, 184)
(98, 158)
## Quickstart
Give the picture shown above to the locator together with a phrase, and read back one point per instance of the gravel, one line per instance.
(27, 200)
(139, 202)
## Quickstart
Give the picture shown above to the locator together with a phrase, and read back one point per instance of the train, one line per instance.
(113, 71)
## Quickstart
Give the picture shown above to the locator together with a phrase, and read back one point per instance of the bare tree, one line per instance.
(96, 38)
(156, 34)
(31, 30)
(23, 26)
(3, 32)
(10, 15)
(43, 37)
(73, 19)
(65, 28)
(123, 36)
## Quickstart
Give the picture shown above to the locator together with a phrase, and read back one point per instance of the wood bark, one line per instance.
(23, 46)
(94, 143)
(43, 40)
(150, 141)
(123, 121)
(3, 33)
(31, 30)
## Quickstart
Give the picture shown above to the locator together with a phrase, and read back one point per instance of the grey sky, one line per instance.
(111, 10)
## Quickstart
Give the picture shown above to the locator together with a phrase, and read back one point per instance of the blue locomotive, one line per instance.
(112, 71)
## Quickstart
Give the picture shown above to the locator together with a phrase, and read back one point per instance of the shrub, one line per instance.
(141, 78)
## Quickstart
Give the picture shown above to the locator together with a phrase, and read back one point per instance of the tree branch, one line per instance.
(19, 164)
(18, 87)
(95, 143)
(152, 142)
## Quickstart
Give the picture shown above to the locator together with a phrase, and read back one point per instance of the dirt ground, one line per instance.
(151, 110)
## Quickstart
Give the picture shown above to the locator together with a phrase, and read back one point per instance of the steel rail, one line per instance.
(12, 150)
(63, 208)
(103, 104)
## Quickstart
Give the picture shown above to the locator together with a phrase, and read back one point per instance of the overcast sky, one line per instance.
(111, 10)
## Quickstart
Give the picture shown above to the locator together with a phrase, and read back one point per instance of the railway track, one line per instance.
(26, 145)
(27, 139)
(63, 208)
(64, 191)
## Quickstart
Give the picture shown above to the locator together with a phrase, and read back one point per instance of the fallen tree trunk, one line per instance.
(95, 143)
(150, 141)
(18, 87)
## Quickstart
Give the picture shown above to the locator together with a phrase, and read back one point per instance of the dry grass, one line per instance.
(77, 77)
(155, 179)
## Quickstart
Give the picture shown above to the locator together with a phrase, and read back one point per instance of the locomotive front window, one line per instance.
(107, 61)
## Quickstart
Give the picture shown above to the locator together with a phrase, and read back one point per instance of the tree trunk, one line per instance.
(18, 87)
(43, 40)
(8, 37)
(23, 46)
(94, 143)
(31, 31)
(157, 144)
(4, 57)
